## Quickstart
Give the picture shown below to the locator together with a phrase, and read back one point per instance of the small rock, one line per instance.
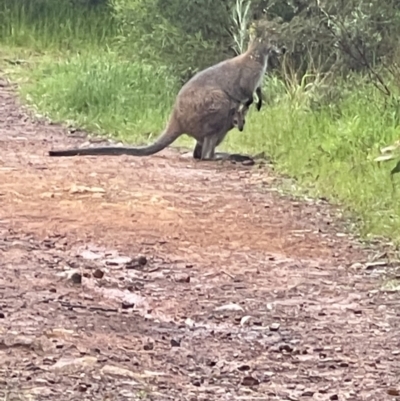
(196, 382)
(59, 333)
(182, 278)
(127, 305)
(98, 273)
(78, 189)
(142, 260)
(307, 393)
(274, 326)
(89, 255)
(394, 392)
(19, 341)
(138, 263)
(285, 347)
(76, 278)
(175, 343)
(73, 365)
(117, 371)
(119, 260)
(82, 387)
(148, 346)
(356, 266)
(2, 315)
(231, 307)
(250, 381)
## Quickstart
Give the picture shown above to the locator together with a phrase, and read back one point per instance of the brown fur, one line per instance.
(203, 106)
(211, 142)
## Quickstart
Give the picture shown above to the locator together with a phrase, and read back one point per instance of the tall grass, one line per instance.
(104, 94)
(332, 154)
(54, 24)
(328, 146)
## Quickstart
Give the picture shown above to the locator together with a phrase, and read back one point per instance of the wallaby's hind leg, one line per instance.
(197, 150)
(209, 145)
(238, 158)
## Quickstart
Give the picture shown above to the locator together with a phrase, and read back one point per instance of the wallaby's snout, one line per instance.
(282, 50)
(277, 50)
(239, 123)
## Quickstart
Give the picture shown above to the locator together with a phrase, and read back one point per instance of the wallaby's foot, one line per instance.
(214, 158)
(235, 158)
(238, 158)
(223, 156)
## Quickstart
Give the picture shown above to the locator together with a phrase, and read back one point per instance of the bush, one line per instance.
(184, 37)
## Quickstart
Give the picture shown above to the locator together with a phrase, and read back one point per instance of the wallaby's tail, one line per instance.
(164, 140)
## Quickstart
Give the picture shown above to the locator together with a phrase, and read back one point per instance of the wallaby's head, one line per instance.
(264, 41)
(238, 119)
(266, 47)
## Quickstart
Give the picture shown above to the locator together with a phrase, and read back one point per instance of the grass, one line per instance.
(332, 155)
(41, 25)
(103, 94)
(75, 74)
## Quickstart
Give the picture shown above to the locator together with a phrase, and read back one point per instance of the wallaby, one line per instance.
(203, 106)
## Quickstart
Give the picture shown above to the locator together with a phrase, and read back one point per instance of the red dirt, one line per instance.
(214, 235)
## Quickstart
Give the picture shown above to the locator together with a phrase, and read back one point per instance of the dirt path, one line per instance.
(239, 294)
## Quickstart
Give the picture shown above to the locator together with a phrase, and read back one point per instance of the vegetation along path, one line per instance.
(164, 278)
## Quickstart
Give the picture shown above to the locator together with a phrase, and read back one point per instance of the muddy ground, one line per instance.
(163, 278)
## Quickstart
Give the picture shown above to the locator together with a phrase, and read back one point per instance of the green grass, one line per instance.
(54, 24)
(332, 156)
(103, 94)
(73, 73)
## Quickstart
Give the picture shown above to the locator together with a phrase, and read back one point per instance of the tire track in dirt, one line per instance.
(245, 294)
